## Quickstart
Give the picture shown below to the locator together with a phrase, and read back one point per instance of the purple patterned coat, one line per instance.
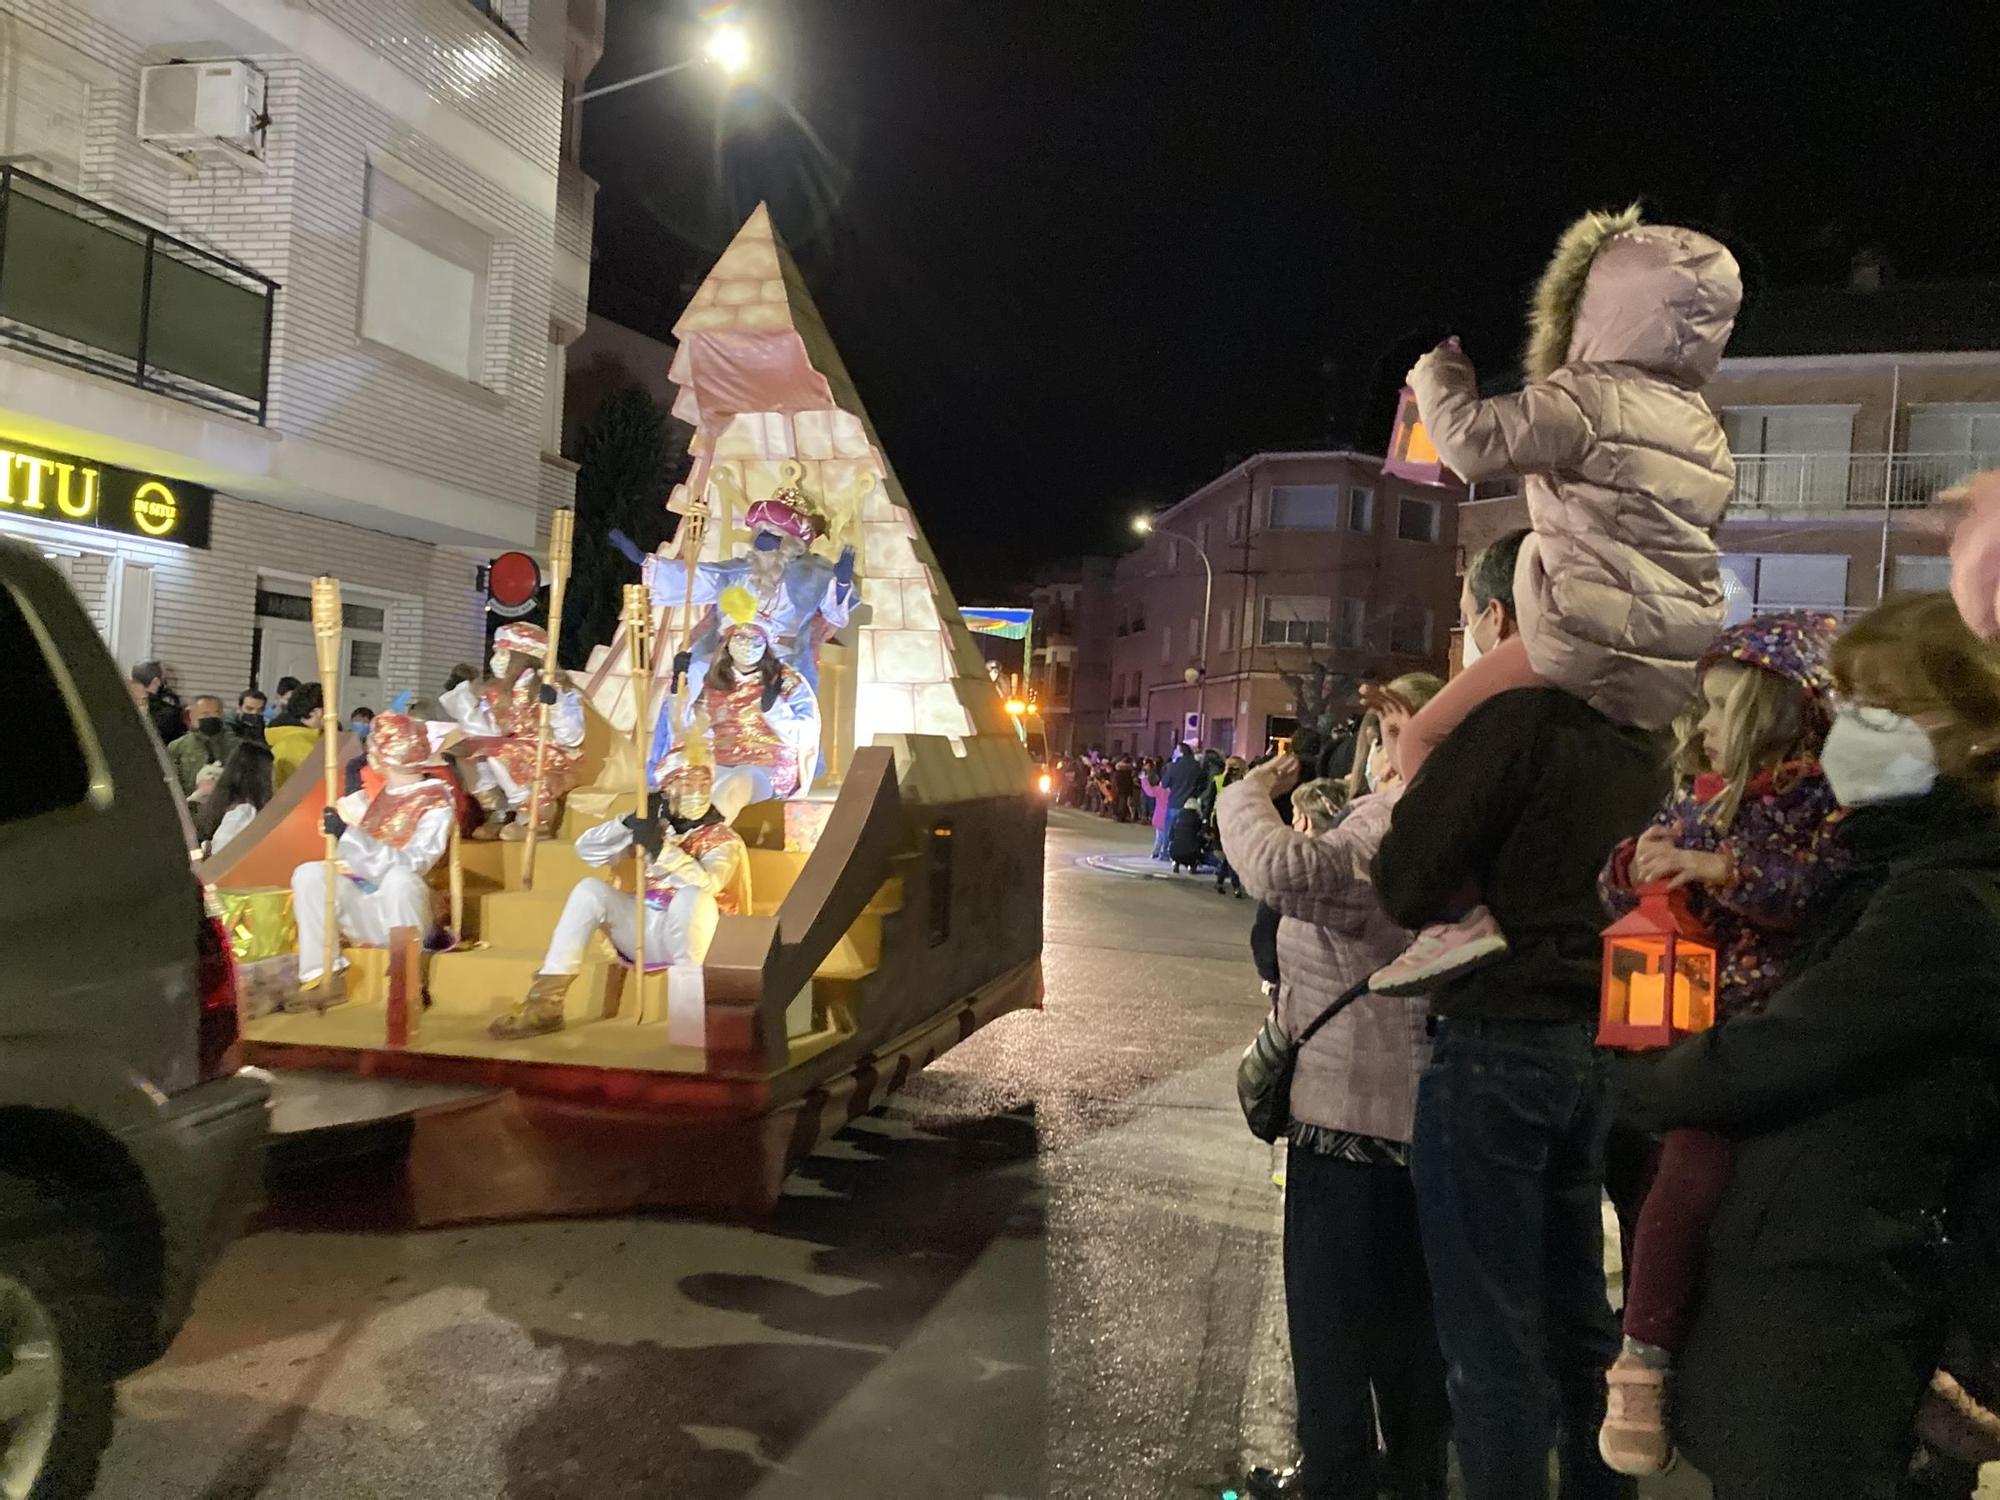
(1786, 857)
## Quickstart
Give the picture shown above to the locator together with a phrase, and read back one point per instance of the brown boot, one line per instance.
(317, 995)
(493, 803)
(516, 831)
(540, 1013)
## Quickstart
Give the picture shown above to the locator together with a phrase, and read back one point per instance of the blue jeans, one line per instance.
(1160, 840)
(1508, 1163)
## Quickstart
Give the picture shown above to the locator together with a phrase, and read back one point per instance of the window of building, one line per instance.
(1794, 457)
(1963, 430)
(1139, 617)
(1223, 736)
(50, 768)
(44, 111)
(1767, 583)
(1201, 535)
(1360, 510)
(1058, 685)
(1304, 507)
(1410, 630)
(1194, 639)
(1417, 520)
(1354, 624)
(1919, 575)
(1296, 620)
(555, 371)
(1239, 522)
(1166, 644)
(1173, 554)
(424, 279)
(1226, 631)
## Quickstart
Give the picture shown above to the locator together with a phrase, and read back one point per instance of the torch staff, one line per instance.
(326, 621)
(639, 666)
(562, 530)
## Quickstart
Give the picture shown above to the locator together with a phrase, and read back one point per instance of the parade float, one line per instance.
(865, 893)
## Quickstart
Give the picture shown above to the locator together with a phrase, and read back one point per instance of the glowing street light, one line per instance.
(1197, 676)
(729, 49)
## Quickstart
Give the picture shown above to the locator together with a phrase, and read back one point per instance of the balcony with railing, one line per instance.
(89, 287)
(1828, 483)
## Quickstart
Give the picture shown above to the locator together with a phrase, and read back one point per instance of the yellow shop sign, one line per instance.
(73, 491)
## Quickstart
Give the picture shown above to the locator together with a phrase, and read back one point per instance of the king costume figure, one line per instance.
(697, 870)
(801, 597)
(499, 720)
(388, 844)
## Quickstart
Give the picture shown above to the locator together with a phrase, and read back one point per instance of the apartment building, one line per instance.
(285, 288)
(1847, 410)
(1073, 608)
(1292, 558)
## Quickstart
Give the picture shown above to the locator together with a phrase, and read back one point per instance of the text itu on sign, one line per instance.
(69, 490)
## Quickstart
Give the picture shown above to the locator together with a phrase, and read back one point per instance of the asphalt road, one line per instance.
(1047, 1269)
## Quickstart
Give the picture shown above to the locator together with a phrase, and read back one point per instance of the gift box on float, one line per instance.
(264, 939)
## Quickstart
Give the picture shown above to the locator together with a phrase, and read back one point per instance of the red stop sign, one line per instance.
(512, 580)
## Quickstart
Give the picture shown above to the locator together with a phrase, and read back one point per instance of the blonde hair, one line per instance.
(1764, 724)
(1915, 655)
(1320, 802)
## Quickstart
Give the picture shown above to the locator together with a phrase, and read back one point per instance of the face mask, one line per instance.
(746, 650)
(498, 666)
(1473, 650)
(1875, 755)
(766, 541)
(210, 726)
(361, 727)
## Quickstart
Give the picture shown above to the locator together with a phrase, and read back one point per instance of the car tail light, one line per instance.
(215, 983)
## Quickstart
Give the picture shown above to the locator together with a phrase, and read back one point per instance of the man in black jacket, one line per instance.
(1523, 803)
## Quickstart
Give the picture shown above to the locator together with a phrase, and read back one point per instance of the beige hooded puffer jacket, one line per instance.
(1626, 469)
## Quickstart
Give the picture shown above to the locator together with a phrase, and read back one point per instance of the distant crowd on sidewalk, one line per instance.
(1804, 1167)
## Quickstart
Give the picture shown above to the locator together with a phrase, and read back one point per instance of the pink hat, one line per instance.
(789, 513)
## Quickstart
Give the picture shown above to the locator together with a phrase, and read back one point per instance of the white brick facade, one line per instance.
(373, 466)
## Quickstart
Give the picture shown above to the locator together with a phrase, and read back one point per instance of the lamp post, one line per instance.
(728, 49)
(1144, 526)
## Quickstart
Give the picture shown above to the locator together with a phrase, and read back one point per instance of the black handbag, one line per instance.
(1264, 1076)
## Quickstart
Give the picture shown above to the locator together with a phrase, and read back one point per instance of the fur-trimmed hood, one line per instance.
(1621, 292)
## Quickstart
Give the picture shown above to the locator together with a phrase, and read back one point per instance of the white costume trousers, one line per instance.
(401, 899)
(679, 935)
(736, 787)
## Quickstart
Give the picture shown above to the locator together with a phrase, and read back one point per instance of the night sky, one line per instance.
(1080, 256)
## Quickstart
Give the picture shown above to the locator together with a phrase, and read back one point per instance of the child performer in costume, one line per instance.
(1626, 472)
(698, 871)
(763, 717)
(388, 844)
(500, 720)
(801, 597)
(1750, 840)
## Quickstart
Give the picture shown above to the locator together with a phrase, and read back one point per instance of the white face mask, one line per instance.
(1469, 651)
(746, 649)
(1877, 755)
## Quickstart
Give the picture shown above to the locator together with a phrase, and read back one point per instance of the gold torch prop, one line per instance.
(562, 531)
(326, 642)
(639, 667)
(693, 530)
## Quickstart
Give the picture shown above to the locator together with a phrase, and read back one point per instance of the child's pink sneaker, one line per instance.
(1443, 952)
(1633, 1439)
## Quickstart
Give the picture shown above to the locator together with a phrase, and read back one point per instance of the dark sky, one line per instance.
(1081, 255)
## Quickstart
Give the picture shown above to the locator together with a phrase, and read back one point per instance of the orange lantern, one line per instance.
(1412, 455)
(1659, 974)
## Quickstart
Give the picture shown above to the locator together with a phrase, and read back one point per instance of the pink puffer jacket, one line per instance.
(1975, 554)
(1626, 469)
(1360, 1072)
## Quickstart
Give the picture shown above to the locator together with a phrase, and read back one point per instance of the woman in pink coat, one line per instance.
(1163, 817)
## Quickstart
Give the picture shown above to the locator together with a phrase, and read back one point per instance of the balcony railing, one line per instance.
(1818, 483)
(89, 287)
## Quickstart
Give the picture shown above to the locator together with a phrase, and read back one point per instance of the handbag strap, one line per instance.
(1347, 998)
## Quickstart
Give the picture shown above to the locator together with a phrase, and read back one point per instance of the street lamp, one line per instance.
(1144, 526)
(727, 49)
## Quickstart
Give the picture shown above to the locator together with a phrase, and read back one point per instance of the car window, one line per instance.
(47, 767)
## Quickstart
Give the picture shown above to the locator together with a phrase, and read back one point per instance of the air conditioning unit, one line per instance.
(203, 108)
